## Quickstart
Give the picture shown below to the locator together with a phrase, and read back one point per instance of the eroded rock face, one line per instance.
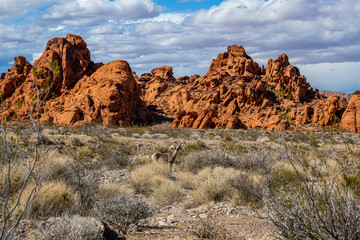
(110, 95)
(14, 77)
(240, 94)
(237, 93)
(73, 57)
(83, 92)
(350, 120)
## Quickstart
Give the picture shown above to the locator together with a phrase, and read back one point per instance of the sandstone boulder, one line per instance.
(14, 77)
(110, 95)
(350, 120)
(72, 55)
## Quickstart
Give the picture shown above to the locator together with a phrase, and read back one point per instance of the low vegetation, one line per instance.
(305, 183)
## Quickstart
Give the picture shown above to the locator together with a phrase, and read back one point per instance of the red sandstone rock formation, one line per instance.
(110, 95)
(235, 93)
(83, 92)
(350, 120)
(14, 77)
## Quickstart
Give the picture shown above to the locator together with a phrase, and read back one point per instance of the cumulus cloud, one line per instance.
(13, 8)
(298, 27)
(87, 12)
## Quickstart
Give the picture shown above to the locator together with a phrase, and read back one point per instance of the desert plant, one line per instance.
(212, 230)
(259, 161)
(213, 184)
(316, 206)
(11, 158)
(112, 155)
(122, 211)
(193, 147)
(147, 178)
(78, 179)
(247, 191)
(198, 160)
(53, 199)
(186, 180)
(167, 193)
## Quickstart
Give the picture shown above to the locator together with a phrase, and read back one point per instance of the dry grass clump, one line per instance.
(227, 184)
(53, 199)
(211, 229)
(16, 176)
(195, 161)
(213, 184)
(147, 178)
(194, 146)
(111, 189)
(255, 162)
(167, 193)
(186, 180)
(247, 191)
(139, 160)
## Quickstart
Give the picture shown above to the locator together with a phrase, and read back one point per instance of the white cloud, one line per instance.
(89, 12)
(35, 56)
(343, 77)
(58, 28)
(13, 8)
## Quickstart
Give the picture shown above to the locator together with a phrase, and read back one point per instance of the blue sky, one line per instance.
(320, 37)
(190, 6)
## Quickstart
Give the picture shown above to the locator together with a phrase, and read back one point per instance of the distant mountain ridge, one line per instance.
(326, 93)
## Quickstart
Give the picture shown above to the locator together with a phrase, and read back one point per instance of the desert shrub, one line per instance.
(251, 134)
(195, 161)
(193, 147)
(113, 155)
(78, 177)
(96, 130)
(212, 230)
(139, 160)
(315, 206)
(213, 184)
(228, 137)
(74, 227)
(247, 191)
(111, 189)
(255, 161)
(129, 131)
(53, 199)
(232, 148)
(146, 178)
(122, 211)
(77, 142)
(186, 180)
(167, 194)
(45, 140)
